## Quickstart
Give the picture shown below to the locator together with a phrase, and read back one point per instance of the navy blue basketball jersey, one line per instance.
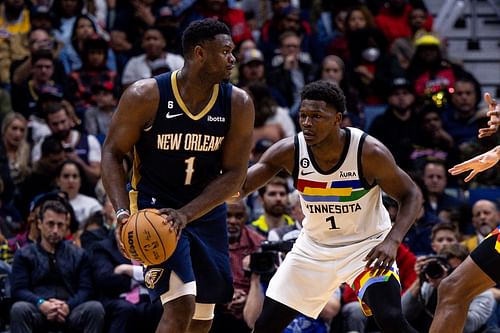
(180, 153)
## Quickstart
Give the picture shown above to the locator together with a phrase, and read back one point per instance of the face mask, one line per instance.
(371, 54)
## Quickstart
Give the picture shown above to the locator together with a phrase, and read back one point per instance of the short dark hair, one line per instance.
(287, 33)
(52, 108)
(444, 226)
(434, 161)
(469, 78)
(42, 54)
(54, 205)
(155, 28)
(325, 91)
(51, 146)
(94, 44)
(201, 31)
(277, 181)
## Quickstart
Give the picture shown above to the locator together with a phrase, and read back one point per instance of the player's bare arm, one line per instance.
(280, 156)
(486, 160)
(136, 110)
(235, 154)
(477, 164)
(494, 114)
(379, 166)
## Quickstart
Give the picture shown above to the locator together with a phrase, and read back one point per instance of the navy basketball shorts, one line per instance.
(201, 255)
(487, 255)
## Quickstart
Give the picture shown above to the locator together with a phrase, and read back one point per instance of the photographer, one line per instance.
(263, 265)
(419, 301)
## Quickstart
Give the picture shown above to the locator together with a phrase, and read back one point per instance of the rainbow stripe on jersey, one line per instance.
(366, 279)
(334, 191)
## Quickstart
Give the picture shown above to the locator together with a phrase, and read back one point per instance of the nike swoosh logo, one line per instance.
(170, 116)
(305, 173)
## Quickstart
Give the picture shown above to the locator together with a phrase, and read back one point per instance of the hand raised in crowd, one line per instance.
(71, 154)
(477, 164)
(420, 263)
(143, 12)
(442, 135)
(494, 114)
(291, 61)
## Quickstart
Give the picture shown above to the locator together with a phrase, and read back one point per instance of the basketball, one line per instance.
(147, 237)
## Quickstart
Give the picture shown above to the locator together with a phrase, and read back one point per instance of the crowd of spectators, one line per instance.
(64, 65)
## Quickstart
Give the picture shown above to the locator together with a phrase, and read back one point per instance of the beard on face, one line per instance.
(277, 210)
(61, 135)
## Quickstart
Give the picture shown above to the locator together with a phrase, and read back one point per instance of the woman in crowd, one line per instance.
(69, 179)
(71, 55)
(333, 70)
(15, 146)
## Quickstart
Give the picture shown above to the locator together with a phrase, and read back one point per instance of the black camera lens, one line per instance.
(263, 262)
(434, 270)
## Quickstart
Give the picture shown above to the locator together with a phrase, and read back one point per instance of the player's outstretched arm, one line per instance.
(136, 109)
(477, 164)
(276, 158)
(379, 167)
(494, 114)
(235, 155)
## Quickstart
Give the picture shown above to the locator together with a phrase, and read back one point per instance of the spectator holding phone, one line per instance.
(83, 149)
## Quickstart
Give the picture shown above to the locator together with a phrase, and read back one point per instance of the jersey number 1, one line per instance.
(189, 170)
(331, 219)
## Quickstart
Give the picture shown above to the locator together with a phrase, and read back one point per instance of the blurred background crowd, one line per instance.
(65, 63)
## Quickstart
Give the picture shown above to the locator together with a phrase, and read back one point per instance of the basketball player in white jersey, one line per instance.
(347, 234)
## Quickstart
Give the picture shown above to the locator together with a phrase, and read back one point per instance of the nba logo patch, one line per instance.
(152, 277)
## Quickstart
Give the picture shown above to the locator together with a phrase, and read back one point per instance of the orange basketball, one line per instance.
(147, 238)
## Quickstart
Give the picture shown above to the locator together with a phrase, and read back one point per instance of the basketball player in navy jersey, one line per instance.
(190, 133)
(347, 235)
(481, 269)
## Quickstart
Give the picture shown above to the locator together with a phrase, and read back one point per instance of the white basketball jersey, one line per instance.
(340, 207)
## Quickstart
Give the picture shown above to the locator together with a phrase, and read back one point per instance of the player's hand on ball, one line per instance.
(176, 219)
(120, 222)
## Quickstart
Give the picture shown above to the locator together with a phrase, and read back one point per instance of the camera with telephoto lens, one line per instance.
(435, 268)
(265, 261)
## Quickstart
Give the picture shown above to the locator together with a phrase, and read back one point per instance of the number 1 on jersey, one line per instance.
(189, 170)
(331, 219)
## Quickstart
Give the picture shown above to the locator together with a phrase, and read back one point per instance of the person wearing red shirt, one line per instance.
(393, 20)
(219, 10)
